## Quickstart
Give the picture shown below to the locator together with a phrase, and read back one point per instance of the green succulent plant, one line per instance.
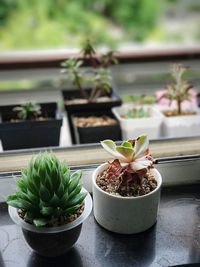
(128, 173)
(47, 190)
(179, 89)
(98, 76)
(134, 113)
(134, 153)
(28, 111)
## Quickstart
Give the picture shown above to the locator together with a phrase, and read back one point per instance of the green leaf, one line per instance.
(126, 144)
(60, 191)
(15, 203)
(18, 203)
(75, 178)
(55, 201)
(47, 211)
(44, 194)
(71, 209)
(64, 200)
(22, 184)
(141, 145)
(32, 187)
(127, 152)
(110, 147)
(66, 180)
(33, 198)
(78, 199)
(75, 192)
(39, 222)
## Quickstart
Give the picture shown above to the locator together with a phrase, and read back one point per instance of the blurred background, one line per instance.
(148, 36)
(119, 24)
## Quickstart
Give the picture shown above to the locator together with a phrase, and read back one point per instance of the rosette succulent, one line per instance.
(129, 172)
(47, 190)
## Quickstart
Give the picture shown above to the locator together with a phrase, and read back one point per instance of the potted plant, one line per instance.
(126, 191)
(50, 205)
(139, 99)
(135, 119)
(181, 116)
(29, 125)
(99, 93)
(92, 127)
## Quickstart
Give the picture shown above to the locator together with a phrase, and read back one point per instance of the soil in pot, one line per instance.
(92, 127)
(61, 220)
(92, 121)
(174, 112)
(111, 181)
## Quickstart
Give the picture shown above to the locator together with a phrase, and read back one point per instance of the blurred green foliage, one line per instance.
(67, 23)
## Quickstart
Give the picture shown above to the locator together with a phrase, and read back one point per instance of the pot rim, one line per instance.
(47, 230)
(103, 167)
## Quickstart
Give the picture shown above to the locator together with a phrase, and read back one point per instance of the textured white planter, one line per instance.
(125, 215)
(131, 128)
(181, 126)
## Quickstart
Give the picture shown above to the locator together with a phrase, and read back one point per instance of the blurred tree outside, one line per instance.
(40, 24)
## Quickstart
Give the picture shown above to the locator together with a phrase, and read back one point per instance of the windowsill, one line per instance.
(173, 240)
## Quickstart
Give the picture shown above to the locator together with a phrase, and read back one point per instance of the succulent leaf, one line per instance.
(133, 152)
(110, 147)
(141, 145)
(127, 152)
(126, 144)
(75, 178)
(47, 189)
(39, 222)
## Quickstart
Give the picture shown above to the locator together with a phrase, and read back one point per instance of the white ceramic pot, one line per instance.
(131, 128)
(181, 126)
(125, 215)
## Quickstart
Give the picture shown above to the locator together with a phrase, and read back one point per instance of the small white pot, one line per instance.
(125, 215)
(181, 126)
(131, 128)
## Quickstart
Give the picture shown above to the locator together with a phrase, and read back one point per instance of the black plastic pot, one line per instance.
(87, 107)
(29, 134)
(52, 241)
(95, 134)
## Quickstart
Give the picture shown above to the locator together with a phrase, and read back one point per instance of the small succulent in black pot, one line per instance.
(50, 205)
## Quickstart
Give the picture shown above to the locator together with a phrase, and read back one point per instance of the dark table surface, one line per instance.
(173, 240)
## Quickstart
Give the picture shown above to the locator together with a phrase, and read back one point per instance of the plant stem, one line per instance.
(78, 83)
(179, 106)
(93, 95)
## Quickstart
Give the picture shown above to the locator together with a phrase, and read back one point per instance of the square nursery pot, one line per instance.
(133, 127)
(30, 134)
(125, 215)
(87, 107)
(181, 126)
(95, 134)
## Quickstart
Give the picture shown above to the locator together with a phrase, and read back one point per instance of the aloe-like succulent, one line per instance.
(28, 111)
(47, 190)
(132, 153)
(179, 89)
